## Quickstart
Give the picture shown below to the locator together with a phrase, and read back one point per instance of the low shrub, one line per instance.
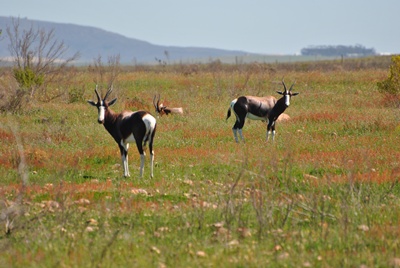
(390, 87)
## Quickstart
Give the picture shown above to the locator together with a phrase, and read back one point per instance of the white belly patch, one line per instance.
(125, 143)
(129, 139)
(254, 117)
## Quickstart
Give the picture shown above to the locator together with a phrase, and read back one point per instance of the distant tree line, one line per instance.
(340, 50)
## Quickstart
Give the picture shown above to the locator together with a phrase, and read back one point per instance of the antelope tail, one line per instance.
(228, 114)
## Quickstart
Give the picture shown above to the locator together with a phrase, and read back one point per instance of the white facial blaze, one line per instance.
(102, 110)
(287, 99)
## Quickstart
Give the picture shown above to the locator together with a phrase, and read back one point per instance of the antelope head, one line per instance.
(102, 104)
(160, 108)
(287, 93)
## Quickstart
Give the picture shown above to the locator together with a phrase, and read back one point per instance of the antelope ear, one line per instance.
(91, 103)
(295, 93)
(280, 92)
(112, 102)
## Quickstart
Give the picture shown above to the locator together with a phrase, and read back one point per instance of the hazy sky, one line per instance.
(260, 26)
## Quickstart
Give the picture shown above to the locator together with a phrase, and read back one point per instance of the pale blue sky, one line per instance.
(259, 26)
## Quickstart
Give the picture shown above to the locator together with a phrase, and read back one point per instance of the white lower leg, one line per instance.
(125, 165)
(273, 134)
(235, 134)
(241, 134)
(125, 158)
(141, 164)
(151, 163)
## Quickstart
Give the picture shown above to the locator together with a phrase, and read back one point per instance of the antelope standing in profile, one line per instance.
(259, 108)
(161, 109)
(126, 127)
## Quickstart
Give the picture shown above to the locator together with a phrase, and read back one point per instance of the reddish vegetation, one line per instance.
(320, 116)
(73, 190)
(200, 140)
(6, 136)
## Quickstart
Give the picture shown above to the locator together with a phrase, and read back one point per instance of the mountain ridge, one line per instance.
(92, 42)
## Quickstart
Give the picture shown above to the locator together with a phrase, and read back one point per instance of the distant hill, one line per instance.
(91, 42)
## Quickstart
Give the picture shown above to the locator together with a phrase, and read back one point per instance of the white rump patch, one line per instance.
(149, 121)
(233, 103)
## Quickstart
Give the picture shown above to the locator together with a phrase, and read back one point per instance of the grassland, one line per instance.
(324, 194)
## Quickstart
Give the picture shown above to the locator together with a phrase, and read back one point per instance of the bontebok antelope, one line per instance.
(161, 109)
(126, 127)
(259, 108)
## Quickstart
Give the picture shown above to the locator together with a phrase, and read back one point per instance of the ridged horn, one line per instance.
(108, 93)
(284, 85)
(290, 89)
(97, 94)
(156, 104)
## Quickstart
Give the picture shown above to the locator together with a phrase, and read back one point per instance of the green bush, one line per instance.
(76, 94)
(390, 87)
(27, 78)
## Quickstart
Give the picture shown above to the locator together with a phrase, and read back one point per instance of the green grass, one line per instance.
(324, 194)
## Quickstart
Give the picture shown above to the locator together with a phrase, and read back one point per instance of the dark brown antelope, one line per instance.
(126, 127)
(259, 108)
(161, 109)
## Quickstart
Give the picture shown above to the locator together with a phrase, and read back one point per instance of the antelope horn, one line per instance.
(108, 92)
(290, 89)
(284, 85)
(155, 104)
(158, 101)
(97, 94)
